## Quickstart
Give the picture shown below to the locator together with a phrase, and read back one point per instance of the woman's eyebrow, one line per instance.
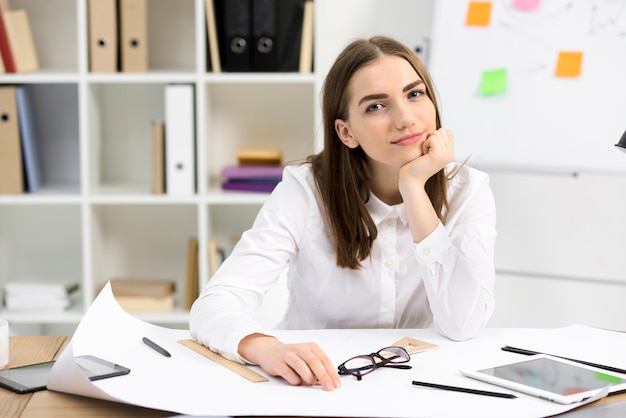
(373, 97)
(413, 85)
(379, 96)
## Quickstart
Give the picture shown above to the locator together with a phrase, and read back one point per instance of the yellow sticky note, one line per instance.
(478, 13)
(569, 64)
(493, 82)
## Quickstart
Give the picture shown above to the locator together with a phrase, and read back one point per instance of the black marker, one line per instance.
(156, 347)
(465, 390)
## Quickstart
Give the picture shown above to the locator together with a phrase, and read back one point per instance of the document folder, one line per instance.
(5, 48)
(179, 140)
(21, 41)
(28, 134)
(103, 36)
(158, 158)
(11, 169)
(134, 35)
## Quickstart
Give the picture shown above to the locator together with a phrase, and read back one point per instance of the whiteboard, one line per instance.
(535, 119)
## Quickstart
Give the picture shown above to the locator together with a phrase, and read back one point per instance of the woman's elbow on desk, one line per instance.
(467, 327)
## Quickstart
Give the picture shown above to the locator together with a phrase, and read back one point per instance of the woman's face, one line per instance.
(390, 114)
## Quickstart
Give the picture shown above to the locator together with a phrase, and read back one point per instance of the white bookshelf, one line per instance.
(95, 217)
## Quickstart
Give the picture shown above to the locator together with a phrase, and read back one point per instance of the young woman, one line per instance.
(381, 229)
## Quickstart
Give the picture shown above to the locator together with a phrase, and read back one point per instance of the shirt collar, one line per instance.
(381, 211)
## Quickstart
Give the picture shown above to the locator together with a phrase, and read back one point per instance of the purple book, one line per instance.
(249, 186)
(253, 172)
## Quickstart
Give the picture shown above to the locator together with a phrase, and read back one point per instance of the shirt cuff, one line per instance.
(433, 248)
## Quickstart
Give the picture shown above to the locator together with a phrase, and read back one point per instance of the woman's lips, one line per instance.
(409, 139)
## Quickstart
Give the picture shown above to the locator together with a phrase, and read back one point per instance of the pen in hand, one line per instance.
(156, 347)
(465, 390)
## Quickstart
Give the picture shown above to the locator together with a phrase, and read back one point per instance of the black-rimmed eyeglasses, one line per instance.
(361, 365)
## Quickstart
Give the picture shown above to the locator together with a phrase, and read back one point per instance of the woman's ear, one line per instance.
(345, 134)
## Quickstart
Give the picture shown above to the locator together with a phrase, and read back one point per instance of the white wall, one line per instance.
(560, 249)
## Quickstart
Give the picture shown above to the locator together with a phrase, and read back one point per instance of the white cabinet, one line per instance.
(95, 217)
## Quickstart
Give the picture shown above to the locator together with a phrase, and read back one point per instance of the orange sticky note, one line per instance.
(569, 64)
(478, 13)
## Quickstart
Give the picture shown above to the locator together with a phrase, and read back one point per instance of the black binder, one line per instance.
(235, 34)
(264, 35)
(290, 14)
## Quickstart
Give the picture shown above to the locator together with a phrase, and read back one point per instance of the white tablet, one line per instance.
(551, 378)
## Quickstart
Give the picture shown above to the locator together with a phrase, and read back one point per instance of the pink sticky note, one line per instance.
(526, 5)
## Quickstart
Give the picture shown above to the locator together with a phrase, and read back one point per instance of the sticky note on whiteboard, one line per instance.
(569, 64)
(526, 5)
(493, 82)
(478, 13)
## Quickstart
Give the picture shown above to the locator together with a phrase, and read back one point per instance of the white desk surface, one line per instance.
(188, 383)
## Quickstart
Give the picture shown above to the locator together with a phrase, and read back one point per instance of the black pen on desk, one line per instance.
(465, 390)
(156, 347)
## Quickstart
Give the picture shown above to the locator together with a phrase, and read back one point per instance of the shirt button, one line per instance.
(426, 251)
(388, 264)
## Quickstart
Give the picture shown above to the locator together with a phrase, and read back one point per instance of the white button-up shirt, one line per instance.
(446, 279)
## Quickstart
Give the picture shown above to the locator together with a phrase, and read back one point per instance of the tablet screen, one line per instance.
(554, 376)
(32, 376)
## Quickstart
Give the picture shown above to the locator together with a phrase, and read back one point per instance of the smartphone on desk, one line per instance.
(34, 377)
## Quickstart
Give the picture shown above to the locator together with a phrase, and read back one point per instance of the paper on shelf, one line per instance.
(187, 383)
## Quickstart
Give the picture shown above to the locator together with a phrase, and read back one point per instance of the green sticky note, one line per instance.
(493, 82)
(608, 378)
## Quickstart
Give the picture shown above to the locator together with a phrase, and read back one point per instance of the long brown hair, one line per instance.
(341, 173)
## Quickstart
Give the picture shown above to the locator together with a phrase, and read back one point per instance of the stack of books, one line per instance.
(28, 297)
(258, 170)
(144, 295)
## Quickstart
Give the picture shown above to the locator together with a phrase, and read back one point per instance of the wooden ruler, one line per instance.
(238, 368)
(414, 346)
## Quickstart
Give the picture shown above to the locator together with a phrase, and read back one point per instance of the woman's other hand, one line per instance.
(438, 151)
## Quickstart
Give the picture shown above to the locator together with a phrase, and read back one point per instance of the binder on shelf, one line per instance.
(213, 257)
(103, 43)
(192, 285)
(306, 42)
(179, 140)
(5, 48)
(158, 158)
(134, 35)
(21, 42)
(290, 24)
(28, 134)
(264, 35)
(235, 34)
(11, 168)
(213, 41)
